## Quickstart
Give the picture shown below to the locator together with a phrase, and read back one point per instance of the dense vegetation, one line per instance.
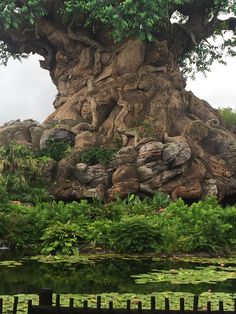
(21, 174)
(124, 226)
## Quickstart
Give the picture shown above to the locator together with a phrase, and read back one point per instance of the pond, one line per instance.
(97, 274)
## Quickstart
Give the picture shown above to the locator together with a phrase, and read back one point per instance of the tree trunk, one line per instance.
(170, 140)
(130, 98)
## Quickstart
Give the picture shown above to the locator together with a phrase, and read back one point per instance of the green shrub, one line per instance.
(56, 149)
(228, 115)
(95, 155)
(134, 234)
(60, 238)
(131, 225)
(135, 205)
(3, 190)
(201, 227)
(145, 129)
(98, 233)
(21, 173)
(20, 231)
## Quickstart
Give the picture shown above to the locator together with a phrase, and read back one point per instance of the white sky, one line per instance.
(26, 90)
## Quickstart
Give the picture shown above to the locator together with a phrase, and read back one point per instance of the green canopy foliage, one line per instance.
(209, 25)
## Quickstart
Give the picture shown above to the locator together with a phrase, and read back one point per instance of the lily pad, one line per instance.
(10, 263)
(80, 258)
(210, 274)
(200, 260)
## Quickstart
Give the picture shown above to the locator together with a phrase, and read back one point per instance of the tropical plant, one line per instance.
(56, 149)
(21, 173)
(61, 238)
(95, 155)
(134, 234)
(98, 233)
(200, 227)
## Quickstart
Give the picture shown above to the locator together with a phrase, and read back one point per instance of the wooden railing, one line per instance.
(46, 306)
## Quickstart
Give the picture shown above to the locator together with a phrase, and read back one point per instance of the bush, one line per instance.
(20, 231)
(134, 234)
(21, 173)
(130, 225)
(56, 149)
(201, 227)
(98, 233)
(95, 155)
(135, 205)
(60, 238)
(228, 115)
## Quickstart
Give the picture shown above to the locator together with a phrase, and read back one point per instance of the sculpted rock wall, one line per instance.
(169, 166)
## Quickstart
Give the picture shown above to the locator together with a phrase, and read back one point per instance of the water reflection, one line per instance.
(111, 275)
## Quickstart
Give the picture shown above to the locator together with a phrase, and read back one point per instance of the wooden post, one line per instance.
(110, 306)
(209, 306)
(57, 303)
(153, 303)
(221, 306)
(128, 305)
(29, 307)
(1, 302)
(167, 304)
(99, 300)
(15, 305)
(85, 305)
(139, 306)
(181, 304)
(58, 300)
(45, 296)
(71, 304)
(195, 303)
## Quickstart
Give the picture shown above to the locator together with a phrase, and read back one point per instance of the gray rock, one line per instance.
(56, 135)
(36, 133)
(84, 140)
(165, 176)
(176, 153)
(16, 131)
(150, 170)
(125, 155)
(92, 175)
(149, 152)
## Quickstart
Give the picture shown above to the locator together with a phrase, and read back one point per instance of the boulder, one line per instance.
(92, 176)
(36, 133)
(85, 140)
(17, 131)
(56, 134)
(149, 152)
(176, 153)
(65, 170)
(125, 181)
(125, 155)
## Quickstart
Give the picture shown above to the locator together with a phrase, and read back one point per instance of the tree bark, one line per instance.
(135, 95)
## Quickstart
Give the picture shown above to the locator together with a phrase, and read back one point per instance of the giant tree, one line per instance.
(119, 67)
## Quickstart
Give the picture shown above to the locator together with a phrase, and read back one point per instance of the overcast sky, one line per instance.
(28, 92)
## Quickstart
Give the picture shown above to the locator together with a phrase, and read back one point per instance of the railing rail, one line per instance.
(46, 306)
